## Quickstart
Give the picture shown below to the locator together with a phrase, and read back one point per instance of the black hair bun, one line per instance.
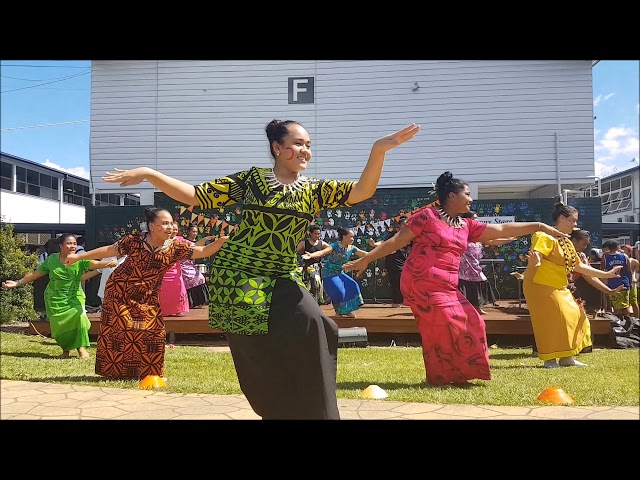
(445, 178)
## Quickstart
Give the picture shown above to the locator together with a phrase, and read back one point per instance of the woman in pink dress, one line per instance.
(174, 301)
(454, 344)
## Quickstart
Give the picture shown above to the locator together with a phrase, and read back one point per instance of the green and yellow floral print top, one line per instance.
(263, 248)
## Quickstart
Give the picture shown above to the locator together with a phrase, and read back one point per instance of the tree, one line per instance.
(16, 304)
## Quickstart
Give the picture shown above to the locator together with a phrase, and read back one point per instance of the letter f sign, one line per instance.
(301, 90)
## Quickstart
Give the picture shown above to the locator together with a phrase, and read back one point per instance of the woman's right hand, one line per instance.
(71, 259)
(127, 177)
(533, 259)
(357, 266)
(9, 284)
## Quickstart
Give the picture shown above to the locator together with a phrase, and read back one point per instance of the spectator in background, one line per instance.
(472, 282)
(613, 258)
(174, 301)
(394, 263)
(194, 281)
(81, 243)
(50, 246)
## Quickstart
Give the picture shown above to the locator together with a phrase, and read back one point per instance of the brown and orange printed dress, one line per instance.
(132, 336)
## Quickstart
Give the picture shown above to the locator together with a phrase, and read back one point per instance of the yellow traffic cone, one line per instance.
(374, 391)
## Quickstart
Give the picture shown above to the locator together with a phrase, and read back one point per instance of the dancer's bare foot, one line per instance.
(482, 312)
(64, 354)
(82, 353)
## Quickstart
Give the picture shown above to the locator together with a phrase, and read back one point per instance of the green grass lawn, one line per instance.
(611, 379)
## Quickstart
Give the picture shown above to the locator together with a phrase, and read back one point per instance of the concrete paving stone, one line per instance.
(19, 407)
(438, 416)
(413, 408)
(234, 400)
(21, 393)
(244, 415)
(510, 411)
(184, 402)
(26, 417)
(613, 415)
(89, 404)
(45, 410)
(104, 413)
(41, 398)
(635, 409)
(66, 402)
(222, 409)
(470, 411)
(558, 411)
(166, 414)
(379, 405)
(367, 414)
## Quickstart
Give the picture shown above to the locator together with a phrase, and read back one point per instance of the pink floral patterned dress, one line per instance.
(454, 344)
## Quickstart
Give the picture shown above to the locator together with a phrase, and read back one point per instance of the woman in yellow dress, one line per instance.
(560, 325)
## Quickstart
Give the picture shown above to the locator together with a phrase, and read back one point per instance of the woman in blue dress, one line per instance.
(343, 290)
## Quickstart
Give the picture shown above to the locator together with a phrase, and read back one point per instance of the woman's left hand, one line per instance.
(614, 271)
(401, 136)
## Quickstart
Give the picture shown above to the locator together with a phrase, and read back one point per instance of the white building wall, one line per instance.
(507, 126)
(20, 208)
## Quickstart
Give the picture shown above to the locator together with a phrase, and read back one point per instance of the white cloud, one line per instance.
(77, 171)
(615, 150)
(599, 99)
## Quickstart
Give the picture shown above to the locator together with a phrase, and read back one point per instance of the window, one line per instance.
(6, 174)
(76, 193)
(618, 195)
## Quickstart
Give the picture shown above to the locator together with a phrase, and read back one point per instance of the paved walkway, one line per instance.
(48, 401)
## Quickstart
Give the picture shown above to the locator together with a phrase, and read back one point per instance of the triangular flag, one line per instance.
(193, 216)
(191, 208)
(182, 209)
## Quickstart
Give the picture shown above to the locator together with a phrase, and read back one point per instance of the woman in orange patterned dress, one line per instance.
(132, 335)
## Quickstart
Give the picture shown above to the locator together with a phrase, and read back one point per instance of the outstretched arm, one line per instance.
(499, 241)
(517, 229)
(401, 239)
(589, 271)
(202, 252)
(598, 284)
(28, 278)
(96, 253)
(366, 186)
(111, 263)
(176, 189)
(319, 254)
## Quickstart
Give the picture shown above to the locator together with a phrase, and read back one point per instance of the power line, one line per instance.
(46, 83)
(40, 66)
(45, 125)
(31, 79)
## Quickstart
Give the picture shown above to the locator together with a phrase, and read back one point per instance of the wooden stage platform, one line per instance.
(505, 319)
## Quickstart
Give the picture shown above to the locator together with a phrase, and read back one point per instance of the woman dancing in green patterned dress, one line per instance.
(284, 349)
(64, 297)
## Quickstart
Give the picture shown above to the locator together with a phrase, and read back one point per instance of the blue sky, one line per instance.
(45, 111)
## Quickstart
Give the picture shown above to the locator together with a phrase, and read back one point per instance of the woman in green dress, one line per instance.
(64, 297)
(283, 347)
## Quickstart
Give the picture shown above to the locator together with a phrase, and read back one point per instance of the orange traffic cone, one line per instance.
(555, 395)
(152, 382)
(374, 391)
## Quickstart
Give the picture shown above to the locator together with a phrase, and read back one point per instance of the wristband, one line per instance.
(20, 283)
